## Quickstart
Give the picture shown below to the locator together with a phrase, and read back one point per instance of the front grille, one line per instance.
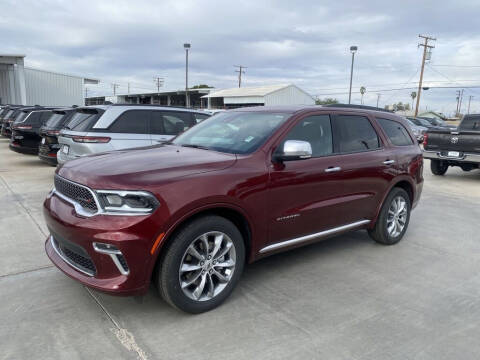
(75, 254)
(77, 193)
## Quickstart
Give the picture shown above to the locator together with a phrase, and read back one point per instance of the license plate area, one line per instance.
(454, 154)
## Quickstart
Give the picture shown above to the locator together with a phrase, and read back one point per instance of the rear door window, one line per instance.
(131, 122)
(396, 132)
(54, 120)
(355, 133)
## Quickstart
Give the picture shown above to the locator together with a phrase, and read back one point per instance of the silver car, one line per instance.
(94, 129)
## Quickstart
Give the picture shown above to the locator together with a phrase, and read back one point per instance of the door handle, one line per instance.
(389, 162)
(333, 169)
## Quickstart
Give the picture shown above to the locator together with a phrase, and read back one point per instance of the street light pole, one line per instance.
(353, 49)
(187, 47)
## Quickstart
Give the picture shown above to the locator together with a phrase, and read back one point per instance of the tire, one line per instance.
(171, 281)
(380, 233)
(438, 167)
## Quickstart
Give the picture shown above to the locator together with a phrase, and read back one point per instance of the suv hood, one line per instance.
(141, 168)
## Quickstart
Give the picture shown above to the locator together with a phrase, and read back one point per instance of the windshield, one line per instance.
(83, 120)
(54, 120)
(424, 122)
(232, 132)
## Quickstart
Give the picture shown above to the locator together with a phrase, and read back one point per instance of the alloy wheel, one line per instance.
(397, 216)
(207, 266)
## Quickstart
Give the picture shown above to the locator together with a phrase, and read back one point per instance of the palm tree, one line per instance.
(362, 91)
(413, 95)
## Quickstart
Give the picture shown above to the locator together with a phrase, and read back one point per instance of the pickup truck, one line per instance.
(454, 147)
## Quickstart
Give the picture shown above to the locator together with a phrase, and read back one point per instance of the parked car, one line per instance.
(421, 122)
(418, 131)
(25, 129)
(8, 119)
(438, 123)
(95, 129)
(454, 147)
(239, 186)
(49, 132)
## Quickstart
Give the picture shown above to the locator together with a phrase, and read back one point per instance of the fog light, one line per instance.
(116, 255)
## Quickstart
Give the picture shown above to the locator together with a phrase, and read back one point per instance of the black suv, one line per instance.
(49, 132)
(25, 129)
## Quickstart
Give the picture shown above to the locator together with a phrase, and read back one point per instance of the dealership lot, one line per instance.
(344, 298)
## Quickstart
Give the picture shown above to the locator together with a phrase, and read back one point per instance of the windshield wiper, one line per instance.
(196, 146)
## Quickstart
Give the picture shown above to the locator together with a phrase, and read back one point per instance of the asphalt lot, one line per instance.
(344, 298)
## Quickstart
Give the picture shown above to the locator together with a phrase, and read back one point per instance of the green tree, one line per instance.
(202, 86)
(326, 101)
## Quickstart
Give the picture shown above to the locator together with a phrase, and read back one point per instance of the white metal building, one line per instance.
(26, 86)
(286, 94)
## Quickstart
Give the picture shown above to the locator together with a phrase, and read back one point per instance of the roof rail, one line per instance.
(354, 106)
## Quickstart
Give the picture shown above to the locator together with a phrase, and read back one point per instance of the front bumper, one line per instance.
(132, 236)
(464, 157)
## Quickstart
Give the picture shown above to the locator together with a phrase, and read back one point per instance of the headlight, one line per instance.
(131, 202)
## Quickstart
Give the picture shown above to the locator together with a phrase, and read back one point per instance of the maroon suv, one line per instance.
(239, 186)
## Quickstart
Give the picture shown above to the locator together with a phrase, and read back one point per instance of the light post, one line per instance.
(353, 50)
(187, 47)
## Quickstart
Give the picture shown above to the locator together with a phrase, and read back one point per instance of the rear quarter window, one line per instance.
(396, 132)
(83, 119)
(131, 122)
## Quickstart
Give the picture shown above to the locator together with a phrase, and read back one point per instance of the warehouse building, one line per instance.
(26, 86)
(257, 96)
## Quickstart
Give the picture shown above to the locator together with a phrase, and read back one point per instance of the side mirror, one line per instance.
(294, 150)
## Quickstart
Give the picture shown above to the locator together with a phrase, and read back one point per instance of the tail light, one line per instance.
(425, 139)
(53, 132)
(91, 139)
(22, 127)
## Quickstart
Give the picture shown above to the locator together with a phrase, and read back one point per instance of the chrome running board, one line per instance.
(305, 238)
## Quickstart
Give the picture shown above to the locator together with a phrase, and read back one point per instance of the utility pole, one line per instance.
(460, 102)
(469, 101)
(240, 72)
(425, 47)
(159, 83)
(115, 87)
(353, 50)
(378, 99)
(187, 47)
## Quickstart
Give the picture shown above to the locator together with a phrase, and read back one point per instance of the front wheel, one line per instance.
(438, 167)
(202, 265)
(394, 217)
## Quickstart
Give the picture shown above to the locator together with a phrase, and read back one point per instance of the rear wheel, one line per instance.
(202, 265)
(438, 167)
(394, 217)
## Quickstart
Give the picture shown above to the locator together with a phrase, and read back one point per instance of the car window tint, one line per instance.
(83, 120)
(200, 117)
(54, 120)
(355, 133)
(21, 116)
(396, 132)
(470, 123)
(170, 123)
(131, 122)
(317, 131)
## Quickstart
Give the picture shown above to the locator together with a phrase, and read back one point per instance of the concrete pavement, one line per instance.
(344, 298)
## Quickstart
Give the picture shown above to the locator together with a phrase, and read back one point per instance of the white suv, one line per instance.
(94, 129)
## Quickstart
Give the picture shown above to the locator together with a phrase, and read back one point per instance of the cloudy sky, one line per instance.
(301, 42)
